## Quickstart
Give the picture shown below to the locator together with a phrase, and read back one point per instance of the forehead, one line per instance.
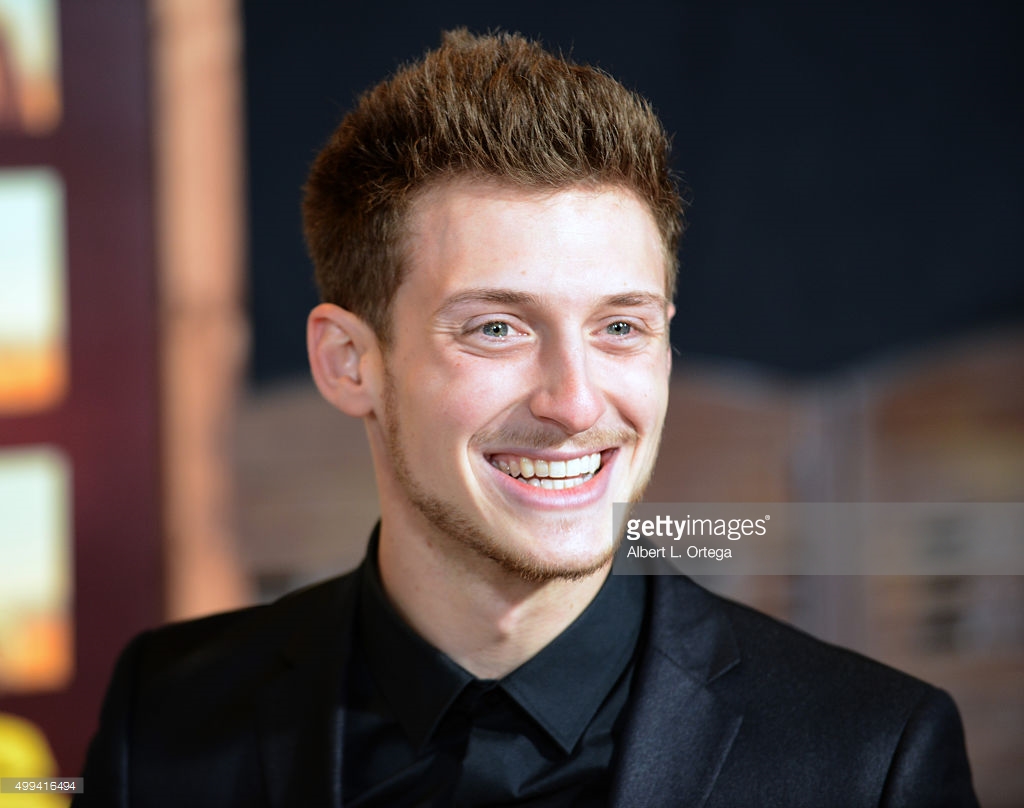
(567, 242)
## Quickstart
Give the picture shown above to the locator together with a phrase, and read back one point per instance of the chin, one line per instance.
(535, 569)
(570, 553)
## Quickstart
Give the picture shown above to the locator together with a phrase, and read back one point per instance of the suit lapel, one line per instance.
(676, 739)
(301, 713)
(680, 728)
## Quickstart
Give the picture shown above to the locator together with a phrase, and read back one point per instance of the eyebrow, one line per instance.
(507, 297)
(511, 297)
(634, 299)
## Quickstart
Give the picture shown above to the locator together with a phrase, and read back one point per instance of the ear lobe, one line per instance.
(341, 349)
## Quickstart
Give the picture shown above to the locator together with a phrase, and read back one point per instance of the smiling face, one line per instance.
(526, 381)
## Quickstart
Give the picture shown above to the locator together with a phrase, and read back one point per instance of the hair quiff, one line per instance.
(498, 107)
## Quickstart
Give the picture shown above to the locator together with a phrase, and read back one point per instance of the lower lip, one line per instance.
(579, 496)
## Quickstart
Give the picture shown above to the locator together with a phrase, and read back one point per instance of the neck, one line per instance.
(488, 620)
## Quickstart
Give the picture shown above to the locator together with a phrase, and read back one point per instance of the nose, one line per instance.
(567, 393)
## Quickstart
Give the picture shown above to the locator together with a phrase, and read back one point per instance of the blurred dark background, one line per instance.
(856, 168)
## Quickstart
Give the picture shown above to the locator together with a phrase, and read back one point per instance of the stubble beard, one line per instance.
(456, 526)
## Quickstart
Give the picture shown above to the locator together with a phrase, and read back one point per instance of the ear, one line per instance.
(343, 353)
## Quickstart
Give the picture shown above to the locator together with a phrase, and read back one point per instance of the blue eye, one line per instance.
(495, 329)
(619, 329)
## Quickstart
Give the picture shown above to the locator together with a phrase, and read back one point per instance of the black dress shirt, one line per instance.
(422, 731)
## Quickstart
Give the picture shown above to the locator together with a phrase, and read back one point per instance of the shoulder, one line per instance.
(814, 715)
(206, 657)
(767, 653)
(248, 638)
(185, 699)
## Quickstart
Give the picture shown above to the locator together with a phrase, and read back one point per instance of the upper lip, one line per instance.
(546, 454)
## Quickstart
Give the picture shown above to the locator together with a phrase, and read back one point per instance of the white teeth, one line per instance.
(552, 474)
(572, 482)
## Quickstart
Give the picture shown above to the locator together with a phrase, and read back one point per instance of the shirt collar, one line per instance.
(418, 681)
(564, 685)
(561, 687)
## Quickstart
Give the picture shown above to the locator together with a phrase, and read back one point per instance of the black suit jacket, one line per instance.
(729, 708)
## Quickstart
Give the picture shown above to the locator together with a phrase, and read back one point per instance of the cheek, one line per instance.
(640, 392)
(474, 378)
(460, 396)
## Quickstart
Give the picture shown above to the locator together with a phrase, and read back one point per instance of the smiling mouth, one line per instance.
(550, 474)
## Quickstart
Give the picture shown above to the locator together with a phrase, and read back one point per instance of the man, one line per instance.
(494, 231)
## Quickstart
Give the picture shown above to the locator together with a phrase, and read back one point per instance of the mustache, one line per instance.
(538, 437)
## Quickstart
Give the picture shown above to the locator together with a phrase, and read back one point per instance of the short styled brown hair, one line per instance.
(498, 107)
